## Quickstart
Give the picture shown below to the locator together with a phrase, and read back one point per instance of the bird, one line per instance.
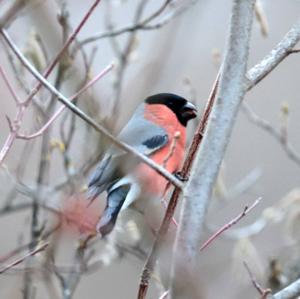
(156, 129)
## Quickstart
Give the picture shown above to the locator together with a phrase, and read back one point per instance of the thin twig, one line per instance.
(12, 11)
(278, 136)
(10, 87)
(20, 113)
(124, 55)
(172, 149)
(15, 125)
(78, 268)
(263, 292)
(23, 258)
(261, 18)
(164, 295)
(85, 117)
(230, 224)
(62, 108)
(138, 25)
(294, 51)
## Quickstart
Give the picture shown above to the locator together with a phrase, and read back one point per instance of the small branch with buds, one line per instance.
(279, 135)
(22, 107)
(62, 108)
(228, 225)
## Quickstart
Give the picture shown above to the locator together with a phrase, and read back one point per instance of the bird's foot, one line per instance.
(180, 176)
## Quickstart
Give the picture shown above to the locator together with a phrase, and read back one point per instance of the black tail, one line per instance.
(114, 202)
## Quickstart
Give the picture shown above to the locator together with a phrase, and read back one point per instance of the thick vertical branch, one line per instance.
(254, 76)
(208, 160)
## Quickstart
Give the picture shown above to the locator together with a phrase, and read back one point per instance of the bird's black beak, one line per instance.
(189, 111)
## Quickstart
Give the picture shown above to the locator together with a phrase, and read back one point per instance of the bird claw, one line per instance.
(179, 176)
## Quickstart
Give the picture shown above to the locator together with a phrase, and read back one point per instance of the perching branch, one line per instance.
(208, 159)
(85, 117)
(168, 217)
(254, 75)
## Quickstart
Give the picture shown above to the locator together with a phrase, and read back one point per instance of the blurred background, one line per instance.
(178, 49)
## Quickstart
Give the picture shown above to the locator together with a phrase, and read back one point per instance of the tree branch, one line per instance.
(229, 224)
(85, 117)
(12, 11)
(198, 136)
(278, 136)
(281, 51)
(289, 292)
(141, 25)
(263, 292)
(20, 113)
(23, 258)
(62, 108)
(208, 159)
(256, 73)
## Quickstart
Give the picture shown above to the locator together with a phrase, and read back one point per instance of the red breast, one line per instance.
(170, 156)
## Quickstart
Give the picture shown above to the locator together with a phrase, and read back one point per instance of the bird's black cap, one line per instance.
(183, 109)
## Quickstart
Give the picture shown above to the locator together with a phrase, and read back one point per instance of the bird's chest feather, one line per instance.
(169, 156)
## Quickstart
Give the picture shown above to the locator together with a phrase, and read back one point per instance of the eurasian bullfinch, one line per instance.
(158, 130)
